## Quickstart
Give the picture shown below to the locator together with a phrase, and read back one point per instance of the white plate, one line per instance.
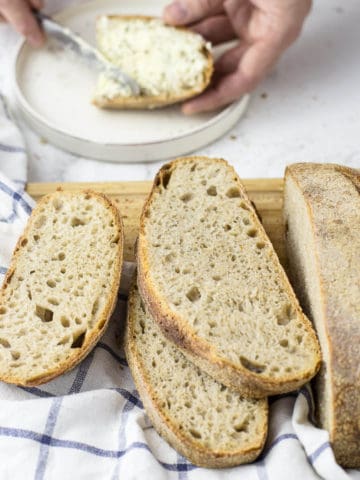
(53, 92)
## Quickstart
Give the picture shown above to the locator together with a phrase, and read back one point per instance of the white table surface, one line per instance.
(308, 109)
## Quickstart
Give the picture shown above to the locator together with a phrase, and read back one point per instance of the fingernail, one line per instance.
(175, 12)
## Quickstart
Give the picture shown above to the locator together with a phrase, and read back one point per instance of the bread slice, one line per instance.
(61, 287)
(171, 64)
(206, 422)
(322, 215)
(210, 277)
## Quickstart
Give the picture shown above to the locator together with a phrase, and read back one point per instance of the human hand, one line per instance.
(19, 14)
(264, 28)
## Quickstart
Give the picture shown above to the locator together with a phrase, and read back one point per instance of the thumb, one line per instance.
(182, 12)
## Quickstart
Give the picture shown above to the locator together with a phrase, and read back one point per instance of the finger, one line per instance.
(239, 13)
(216, 29)
(258, 59)
(229, 61)
(183, 12)
(18, 13)
(37, 4)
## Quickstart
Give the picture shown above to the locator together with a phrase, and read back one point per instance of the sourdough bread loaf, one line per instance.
(211, 279)
(206, 422)
(169, 63)
(322, 215)
(61, 286)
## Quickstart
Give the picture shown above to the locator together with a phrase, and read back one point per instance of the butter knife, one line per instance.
(88, 53)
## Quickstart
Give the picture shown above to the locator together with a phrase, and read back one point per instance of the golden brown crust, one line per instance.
(175, 328)
(196, 453)
(342, 342)
(150, 102)
(96, 333)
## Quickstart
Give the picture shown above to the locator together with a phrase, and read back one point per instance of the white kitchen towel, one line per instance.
(90, 422)
(13, 160)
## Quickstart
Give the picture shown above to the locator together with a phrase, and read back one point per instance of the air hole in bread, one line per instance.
(252, 366)
(252, 232)
(4, 343)
(299, 339)
(177, 270)
(212, 324)
(188, 404)
(51, 283)
(78, 339)
(233, 192)
(24, 242)
(241, 427)
(61, 256)
(53, 301)
(36, 238)
(260, 245)
(15, 355)
(193, 167)
(142, 326)
(2, 310)
(165, 178)
(65, 322)
(45, 314)
(246, 221)
(186, 197)
(76, 222)
(153, 363)
(78, 321)
(195, 433)
(57, 204)
(64, 340)
(95, 307)
(193, 294)
(212, 191)
(285, 316)
(284, 343)
(244, 206)
(227, 227)
(40, 222)
(169, 257)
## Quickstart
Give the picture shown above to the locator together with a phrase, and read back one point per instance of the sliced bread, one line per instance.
(61, 287)
(169, 63)
(206, 422)
(210, 277)
(322, 215)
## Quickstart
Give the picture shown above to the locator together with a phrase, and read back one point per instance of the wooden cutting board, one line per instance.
(129, 196)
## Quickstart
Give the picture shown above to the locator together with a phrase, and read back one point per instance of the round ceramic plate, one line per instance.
(53, 92)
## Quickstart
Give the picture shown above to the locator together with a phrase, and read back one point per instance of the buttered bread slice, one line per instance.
(170, 64)
(61, 286)
(206, 422)
(211, 279)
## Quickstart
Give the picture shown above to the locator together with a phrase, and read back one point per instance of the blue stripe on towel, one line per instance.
(85, 447)
(16, 196)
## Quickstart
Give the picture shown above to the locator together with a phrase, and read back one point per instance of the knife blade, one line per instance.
(86, 52)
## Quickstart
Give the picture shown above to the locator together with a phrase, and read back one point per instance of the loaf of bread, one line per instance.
(211, 279)
(170, 64)
(61, 286)
(322, 215)
(206, 422)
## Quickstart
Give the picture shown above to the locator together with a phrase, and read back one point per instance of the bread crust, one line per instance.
(175, 327)
(100, 326)
(151, 102)
(188, 447)
(343, 361)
